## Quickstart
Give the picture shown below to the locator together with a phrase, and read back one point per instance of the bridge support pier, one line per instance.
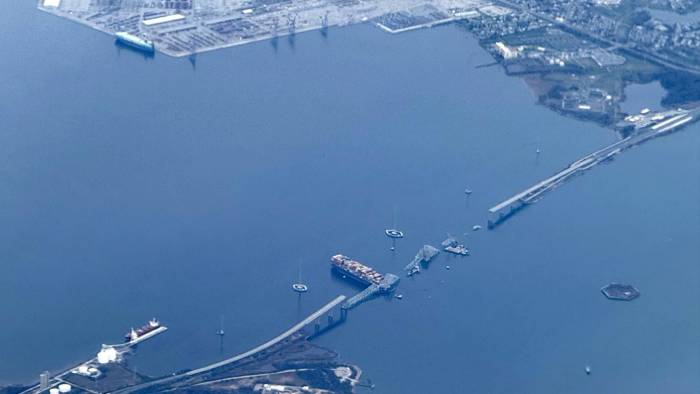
(333, 318)
(500, 213)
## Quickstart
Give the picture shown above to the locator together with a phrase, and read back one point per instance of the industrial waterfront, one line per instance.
(200, 195)
(188, 27)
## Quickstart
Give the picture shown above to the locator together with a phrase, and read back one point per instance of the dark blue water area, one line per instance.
(135, 187)
(643, 96)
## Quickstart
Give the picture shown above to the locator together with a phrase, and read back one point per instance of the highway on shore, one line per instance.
(123, 347)
(652, 57)
(297, 327)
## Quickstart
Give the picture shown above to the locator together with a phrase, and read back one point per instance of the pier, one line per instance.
(320, 321)
(47, 382)
(645, 128)
(187, 30)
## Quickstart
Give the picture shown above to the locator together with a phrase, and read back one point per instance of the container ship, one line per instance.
(153, 327)
(356, 270)
(135, 42)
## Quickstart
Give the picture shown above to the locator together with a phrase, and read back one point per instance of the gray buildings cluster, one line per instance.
(618, 23)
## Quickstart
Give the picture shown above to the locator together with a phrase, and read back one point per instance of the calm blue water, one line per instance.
(640, 96)
(134, 188)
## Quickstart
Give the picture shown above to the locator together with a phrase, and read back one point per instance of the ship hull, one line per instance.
(140, 47)
(356, 270)
(146, 336)
(351, 275)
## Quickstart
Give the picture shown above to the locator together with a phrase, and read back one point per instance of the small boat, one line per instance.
(393, 233)
(300, 288)
(588, 370)
(467, 191)
(476, 228)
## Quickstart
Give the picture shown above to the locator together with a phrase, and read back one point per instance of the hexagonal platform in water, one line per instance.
(621, 292)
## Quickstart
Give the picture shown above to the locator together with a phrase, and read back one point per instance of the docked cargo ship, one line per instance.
(356, 270)
(153, 327)
(135, 42)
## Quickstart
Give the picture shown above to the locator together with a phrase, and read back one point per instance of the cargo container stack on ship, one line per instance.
(376, 283)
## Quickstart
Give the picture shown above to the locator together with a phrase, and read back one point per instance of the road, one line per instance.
(297, 327)
(508, 207)
(652, 57)
(121, 347)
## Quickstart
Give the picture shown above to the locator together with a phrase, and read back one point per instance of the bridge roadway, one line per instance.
(507, 208)
(297, 327)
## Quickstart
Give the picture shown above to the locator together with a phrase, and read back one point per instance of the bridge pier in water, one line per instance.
(334, 317)
(499, 214)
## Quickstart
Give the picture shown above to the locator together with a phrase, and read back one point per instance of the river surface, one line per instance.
(134, 188)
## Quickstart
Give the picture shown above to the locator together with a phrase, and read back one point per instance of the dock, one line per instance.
(114, 377)
(92, 367)
(191, 27)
